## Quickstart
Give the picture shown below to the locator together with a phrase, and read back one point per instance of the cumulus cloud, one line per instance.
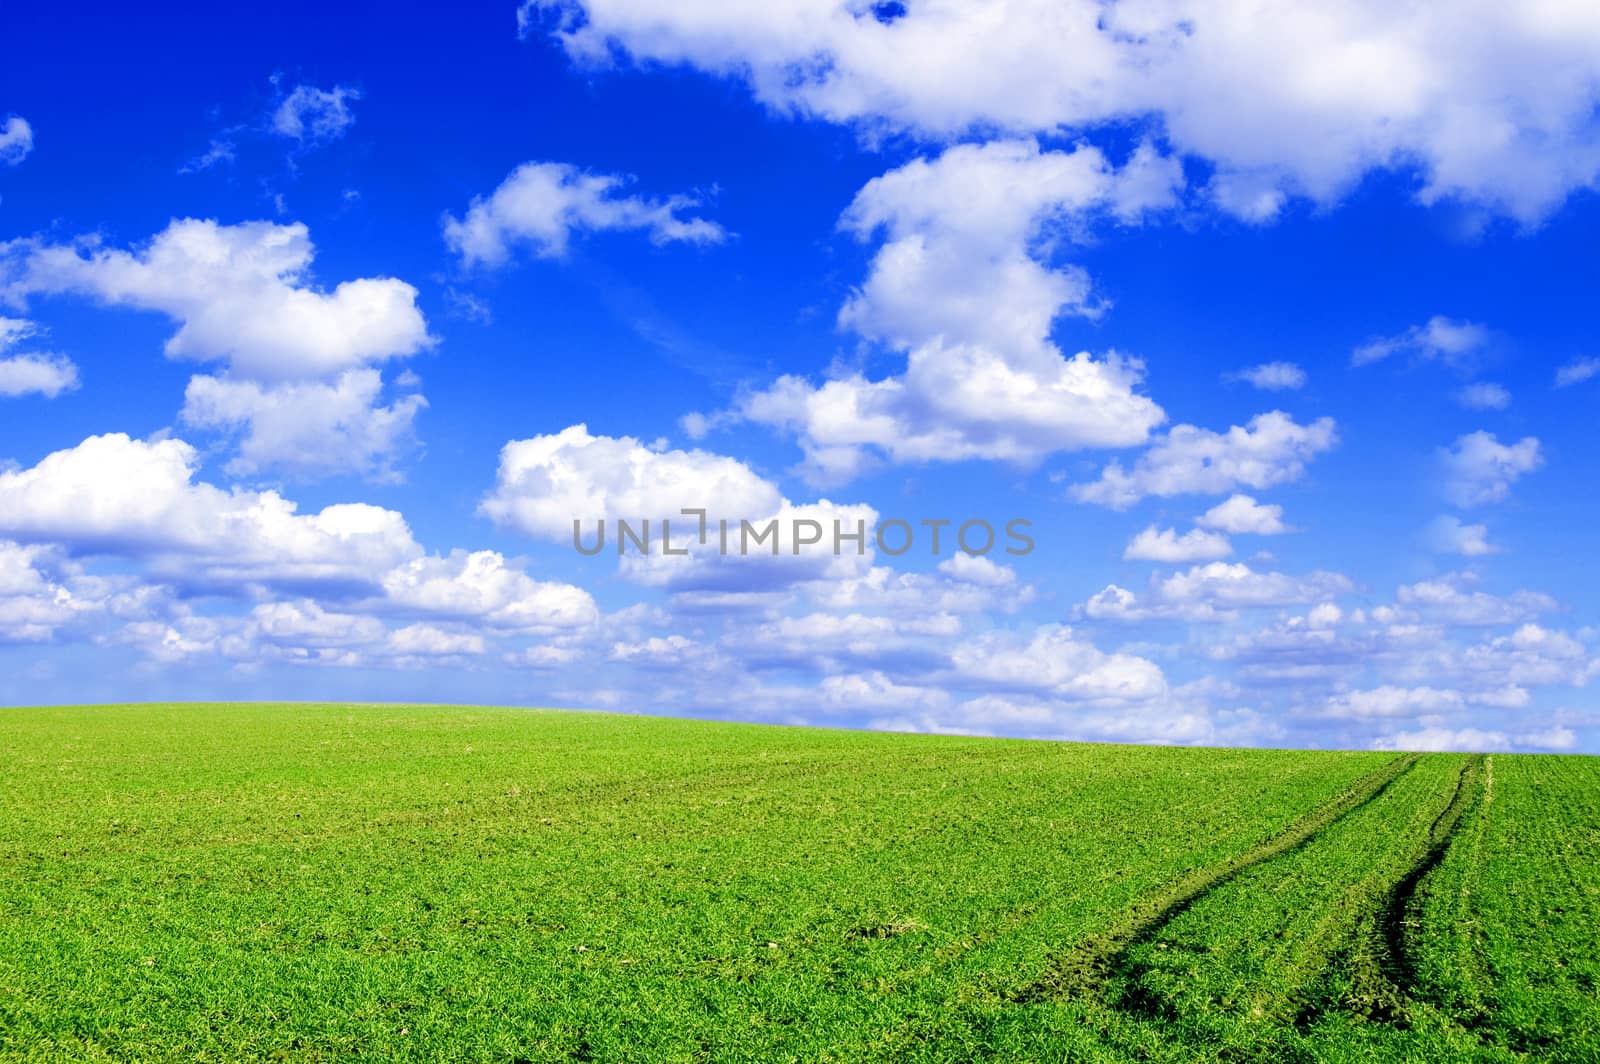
(1448, 535)
(1172, 718)
(1555, 737)
(306, 633)
(1530, 656)
(1271, 449)
(545, 483)
(1214, 591)
(1577, 371)
(46, 375)
(35, 602)
(954, 404)
(963, 285)
(298, 378)
(1437, 738)
(829, 641)
(1455, 343)
(1229, 585)
(138, 502)
(1055, 661)
(115, 495)
(1242, 515)
(1479, 469)
(875, 692)
(541, 204)
(241, 294)
(672, 651)
(957, 231)
(308, 113)
(1272, 376)
(1484, 396)
(747, 569)
(31, 373)
(482, 586)
(16, 140)
(1494, 106)
(306, 427)
(305, 625)
(1452, 600)
(1166, 545)
(960, 584)
(1390, 701)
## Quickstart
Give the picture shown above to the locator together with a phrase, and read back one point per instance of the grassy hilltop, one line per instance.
(217, 882)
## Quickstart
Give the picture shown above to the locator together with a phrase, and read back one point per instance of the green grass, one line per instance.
(217, 882)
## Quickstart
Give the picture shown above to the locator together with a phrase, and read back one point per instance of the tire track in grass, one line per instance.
(1402, 916)
(1086, 967)
(1383, 958)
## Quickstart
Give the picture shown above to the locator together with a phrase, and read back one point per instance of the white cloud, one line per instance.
(964, 286)
(823, 640)
(1227, 585)
(1530, 656)
(297, 381)
(343, 569)
(14, 329)
(954, 404)
(481, 586)
(1438, 739)
(543, 204)
(961, 584)
(545, 483)
(1552, 738)
(671, 651)
(114, 495)
(1272, 449)
(312, 114)
(958, 231)
(242, 294)
(304, 623)
(1055, 661)
(16, 140)
(1437, 736)
(1450, 600)
(1242, 515)
(748, 568)
(1172, 718)
(1493, 104)
(221, 150)
(876, 692)
(1272, 376)
(1212, 592)
(301, 632)
(1440, 339)
(1448, 535)
(1577, 371)
(415, 643)
(32, 373)
(1166, 545)
(1484, 396)
(306, 427)
(1479, 469)
(1389, 701)
(46, 375)
(34, 604)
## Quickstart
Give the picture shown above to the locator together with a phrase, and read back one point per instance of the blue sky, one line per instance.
(301, 323)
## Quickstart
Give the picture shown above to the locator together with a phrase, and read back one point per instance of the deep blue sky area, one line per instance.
(691, 263)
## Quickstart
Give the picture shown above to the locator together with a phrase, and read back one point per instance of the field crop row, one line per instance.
(316, 882)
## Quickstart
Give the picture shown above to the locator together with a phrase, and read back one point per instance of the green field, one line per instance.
(224, 882)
